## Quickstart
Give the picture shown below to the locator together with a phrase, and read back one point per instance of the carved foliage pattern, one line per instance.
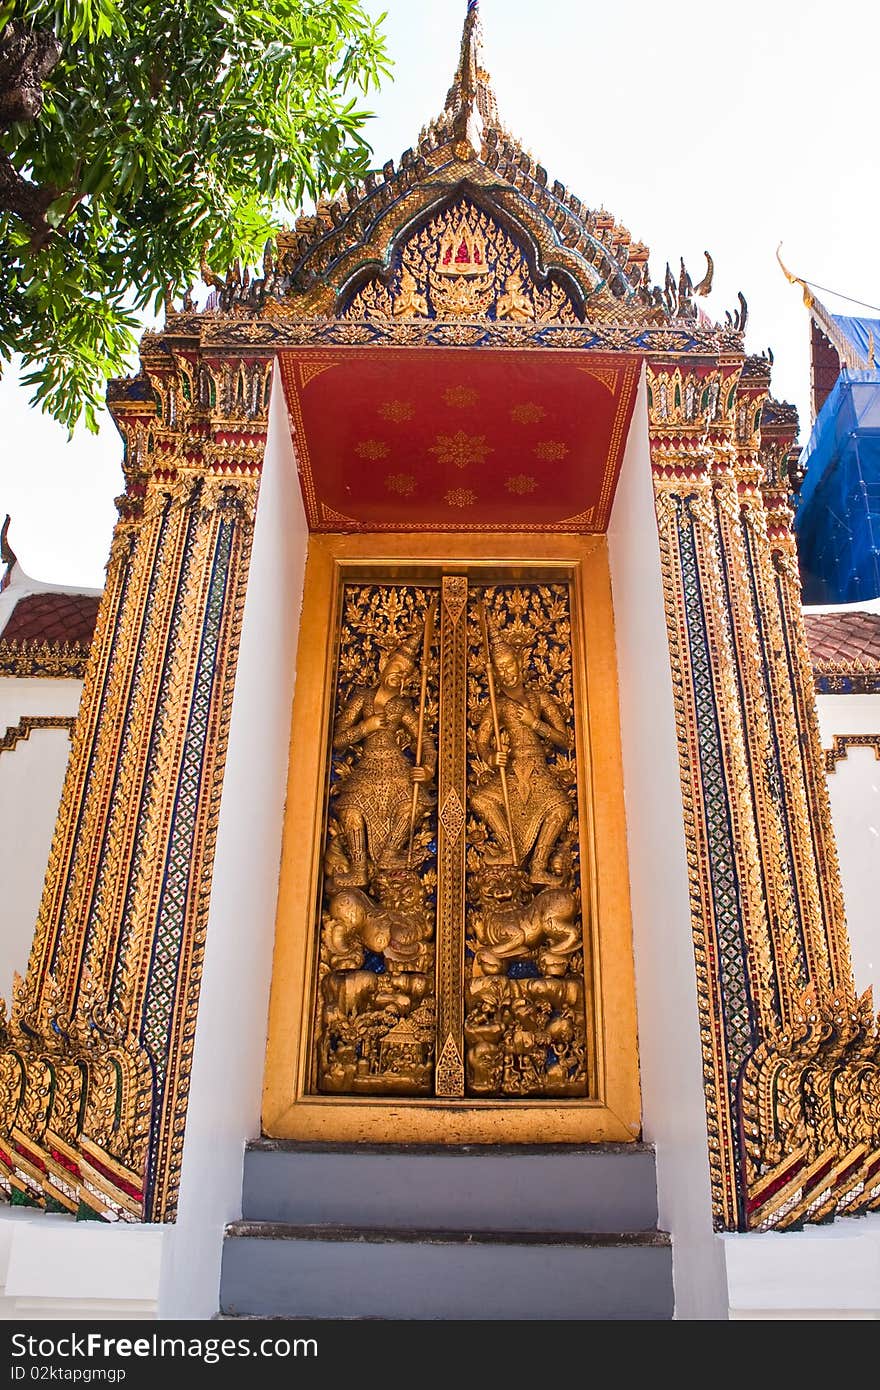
(95, 1115)
(462, 265)
(526, 1023)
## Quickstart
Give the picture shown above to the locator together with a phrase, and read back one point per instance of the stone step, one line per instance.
(597, 1187)
(273, 1269)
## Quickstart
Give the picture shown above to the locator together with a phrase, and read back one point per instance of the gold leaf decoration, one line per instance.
(461, 449)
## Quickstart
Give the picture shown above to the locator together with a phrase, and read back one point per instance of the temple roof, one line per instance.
(845, 650)
(862, 335)
(45, 629)
(54, 618)
(855, 337)
(470, 104)
(841, 640)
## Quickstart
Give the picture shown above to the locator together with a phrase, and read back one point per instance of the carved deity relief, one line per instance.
(462, 265)
(525, 1018)
(376, 987)
(471, 696)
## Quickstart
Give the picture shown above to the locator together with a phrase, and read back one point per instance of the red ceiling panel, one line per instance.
(436, 439)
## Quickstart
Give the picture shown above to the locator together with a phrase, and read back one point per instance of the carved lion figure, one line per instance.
(547, 925)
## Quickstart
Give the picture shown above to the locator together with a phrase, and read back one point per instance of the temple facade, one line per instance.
(452, 781)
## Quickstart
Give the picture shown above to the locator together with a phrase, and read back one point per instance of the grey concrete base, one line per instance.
(478, 1232)
(296, 1272)
(602, 1187)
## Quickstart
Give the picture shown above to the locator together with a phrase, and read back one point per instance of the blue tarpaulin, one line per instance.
(837, 521)
(864, 334)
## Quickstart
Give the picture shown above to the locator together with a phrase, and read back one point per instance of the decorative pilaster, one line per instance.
(96, 1054)
(810, 1093)
(770, 941)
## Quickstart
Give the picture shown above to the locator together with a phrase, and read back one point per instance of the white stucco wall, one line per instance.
(31, 777)
(227, 1075)
(824, 1272)
(854, 788)
(673, 1104)
(52, 1267)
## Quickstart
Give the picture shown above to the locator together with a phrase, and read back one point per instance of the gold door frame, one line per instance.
(290, 1110)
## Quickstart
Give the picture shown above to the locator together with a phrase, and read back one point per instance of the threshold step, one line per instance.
(597, 1187)
(343, 1273)
(378, 1235)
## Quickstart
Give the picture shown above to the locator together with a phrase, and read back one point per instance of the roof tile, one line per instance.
(844, 641)
(54, 618)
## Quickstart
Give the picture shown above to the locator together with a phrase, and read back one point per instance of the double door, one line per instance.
(443, 911)
(451, 947)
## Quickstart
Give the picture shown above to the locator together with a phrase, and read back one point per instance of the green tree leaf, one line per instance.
(165, 125)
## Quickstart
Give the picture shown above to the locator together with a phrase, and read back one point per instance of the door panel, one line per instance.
(453, 958)
(452, 918)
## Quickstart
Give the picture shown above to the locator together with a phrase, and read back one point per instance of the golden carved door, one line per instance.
(452, 955)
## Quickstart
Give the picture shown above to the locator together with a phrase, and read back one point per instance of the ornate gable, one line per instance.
(376, 254)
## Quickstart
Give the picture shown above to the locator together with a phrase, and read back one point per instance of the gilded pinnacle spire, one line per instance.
(471, 101)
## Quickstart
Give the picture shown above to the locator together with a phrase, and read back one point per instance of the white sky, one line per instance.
(699, 126)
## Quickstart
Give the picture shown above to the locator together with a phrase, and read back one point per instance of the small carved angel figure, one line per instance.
(409, 303)
(514, 303)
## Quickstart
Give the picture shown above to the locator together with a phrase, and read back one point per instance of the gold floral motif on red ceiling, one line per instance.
(402, 483)
(524, 400)
(551, 451)
(462, 265)
(605, 375)
(397, 411)
(309, 370)
(330, 516)
(461, 396)
(521, 484)
(461, 449)
(527, 413)
(460, 497)
(372, 449)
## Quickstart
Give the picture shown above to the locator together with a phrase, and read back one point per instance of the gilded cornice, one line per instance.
(63, 661)
(190, 412)
(691, 415)
(222, 333)
(846, 677)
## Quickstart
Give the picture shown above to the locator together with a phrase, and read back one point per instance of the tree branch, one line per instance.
(27, 56)
(26, 200)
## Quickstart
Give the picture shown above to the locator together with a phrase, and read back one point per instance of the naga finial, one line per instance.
(8, 557)
(809, 298)
(471, 100)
